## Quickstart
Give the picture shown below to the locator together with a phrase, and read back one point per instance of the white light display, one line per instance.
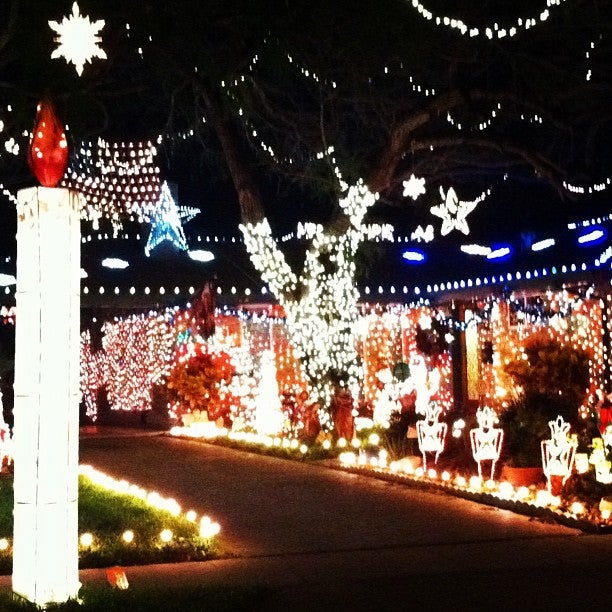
(78, 39)
(114, 263)
(453, 212)
(166, 223)
(269, 418)
(201, 255)
(6, 280)
(387, 400)
(414, 257)
(118, 179)
(425, 235)
(475, 249)
(491, 31)
(46, 432)
(541, 245)
(486, 439)
(321, 306)
(431, 433)
(558, 452)
(414, 187)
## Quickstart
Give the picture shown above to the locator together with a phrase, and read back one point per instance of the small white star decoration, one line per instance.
(78, 39)
(166, 225)
(453, 212)
(414, 187)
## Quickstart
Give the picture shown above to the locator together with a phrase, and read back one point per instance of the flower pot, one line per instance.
(522, 476)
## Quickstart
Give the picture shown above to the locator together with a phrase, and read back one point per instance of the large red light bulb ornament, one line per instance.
(48, 156)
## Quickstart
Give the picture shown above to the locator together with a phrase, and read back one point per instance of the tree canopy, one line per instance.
(263, 92)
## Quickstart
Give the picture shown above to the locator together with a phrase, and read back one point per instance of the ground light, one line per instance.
(521, 499)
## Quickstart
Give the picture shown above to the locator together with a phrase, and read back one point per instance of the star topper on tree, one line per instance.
(78, 39)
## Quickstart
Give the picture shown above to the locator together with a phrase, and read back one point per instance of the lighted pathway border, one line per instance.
(521, 500)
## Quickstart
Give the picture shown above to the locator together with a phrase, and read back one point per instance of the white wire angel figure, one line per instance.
(486, 439)
(431, 433)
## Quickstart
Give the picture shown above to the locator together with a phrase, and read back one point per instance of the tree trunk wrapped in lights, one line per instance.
(321, 305)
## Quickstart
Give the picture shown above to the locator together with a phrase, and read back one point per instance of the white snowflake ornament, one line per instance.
(414, 187)
(78, 39)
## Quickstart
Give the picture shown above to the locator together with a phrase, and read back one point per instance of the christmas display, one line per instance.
(166, 222)
(45, 552)
(78, 39)
(486, 440)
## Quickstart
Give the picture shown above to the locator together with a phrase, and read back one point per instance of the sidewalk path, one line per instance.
(322, 539)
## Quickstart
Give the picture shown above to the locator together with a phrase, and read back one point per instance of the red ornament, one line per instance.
(48, 156)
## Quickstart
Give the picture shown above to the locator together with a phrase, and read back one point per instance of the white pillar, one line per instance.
(45, 548)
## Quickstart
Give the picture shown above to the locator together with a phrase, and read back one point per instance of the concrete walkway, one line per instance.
(321, 539)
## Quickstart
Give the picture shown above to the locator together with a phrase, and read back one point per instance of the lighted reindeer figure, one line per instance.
(431, 433)
(558, 453)
(486, 439)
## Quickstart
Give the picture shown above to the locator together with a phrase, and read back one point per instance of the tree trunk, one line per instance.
(249, 198)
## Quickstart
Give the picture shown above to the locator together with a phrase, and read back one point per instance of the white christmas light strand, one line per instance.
(491, 31)
(592, 188)
(482, 126)
(117, 180)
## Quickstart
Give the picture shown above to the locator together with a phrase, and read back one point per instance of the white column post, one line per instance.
(45, 548)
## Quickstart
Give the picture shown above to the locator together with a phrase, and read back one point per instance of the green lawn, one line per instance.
(188, 599)
(107, 515)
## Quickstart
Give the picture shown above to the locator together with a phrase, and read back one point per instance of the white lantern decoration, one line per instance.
(558, 453)
(46, 432)
(486, 439)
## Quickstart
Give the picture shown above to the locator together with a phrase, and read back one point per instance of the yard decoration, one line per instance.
(553, 379)
(599, 459)
(486, 439)
(77, 39)
(116, 577)
(558, 453)
(269, 418)
(431, 433)
(48, 153)
(45, 550)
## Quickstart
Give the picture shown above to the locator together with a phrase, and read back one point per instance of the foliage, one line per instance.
(553, 381)
(106, 515)
(586, 488)
(160, 597)
(196, 384)
(552, 369)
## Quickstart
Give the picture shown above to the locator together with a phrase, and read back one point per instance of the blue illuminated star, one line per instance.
(166, 224)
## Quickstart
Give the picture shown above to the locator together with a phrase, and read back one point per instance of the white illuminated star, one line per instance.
(166, 225)
(414, 187)
(453, 212)
(78, 39)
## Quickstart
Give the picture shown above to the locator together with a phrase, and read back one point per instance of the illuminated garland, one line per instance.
(491, 31)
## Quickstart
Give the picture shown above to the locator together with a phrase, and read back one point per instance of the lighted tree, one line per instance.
(320, 303)
(395, 94)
